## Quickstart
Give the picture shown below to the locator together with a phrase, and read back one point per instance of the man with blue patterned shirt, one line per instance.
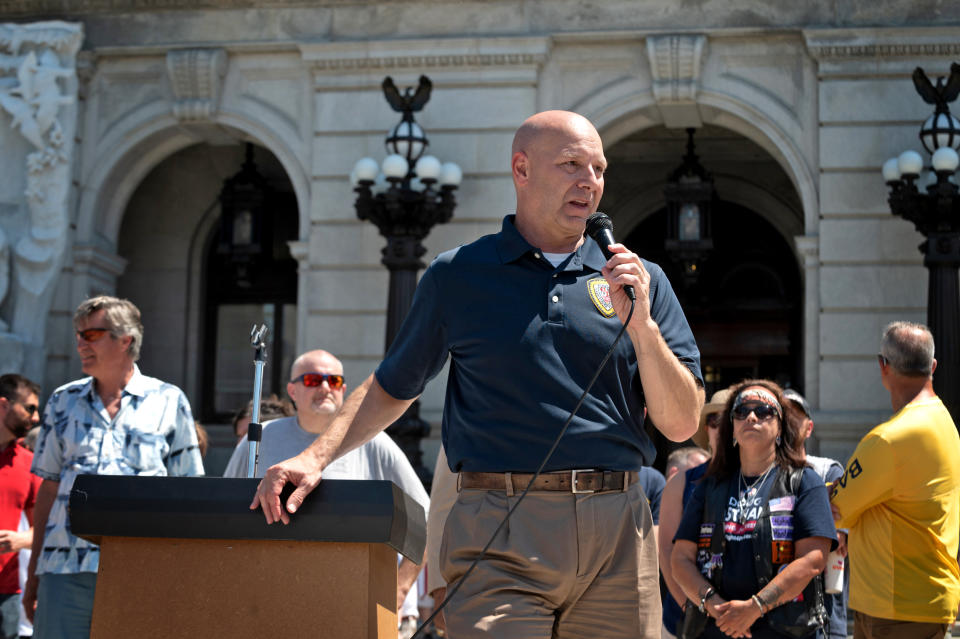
(117, 421)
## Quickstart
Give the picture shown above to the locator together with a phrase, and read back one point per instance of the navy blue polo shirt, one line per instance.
(524, 338)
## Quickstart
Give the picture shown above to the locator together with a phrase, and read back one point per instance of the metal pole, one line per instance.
(942, 259)
(255, 430)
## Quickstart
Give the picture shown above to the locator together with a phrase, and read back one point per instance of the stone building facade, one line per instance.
(111, 178)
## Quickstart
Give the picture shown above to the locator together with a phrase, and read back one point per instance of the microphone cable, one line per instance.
(556, 442)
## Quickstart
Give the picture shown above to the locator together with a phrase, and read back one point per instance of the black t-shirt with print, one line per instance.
(806, 515)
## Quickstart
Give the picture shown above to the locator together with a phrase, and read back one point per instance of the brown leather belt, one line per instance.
(571, 481)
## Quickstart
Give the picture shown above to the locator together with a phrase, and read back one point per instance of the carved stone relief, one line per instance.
(38, 90)
(675, 62)
(196, 77)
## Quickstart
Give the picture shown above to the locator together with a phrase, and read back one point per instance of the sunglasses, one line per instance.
(312, 380)
(762, 411)
(30, 408)
(93, 334)
(713, 420)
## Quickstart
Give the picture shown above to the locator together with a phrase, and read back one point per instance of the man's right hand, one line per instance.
(302, 471)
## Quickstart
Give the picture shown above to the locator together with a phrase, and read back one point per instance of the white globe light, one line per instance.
(366, 169)
(891, 170)
(395, 166)
(910, 163)
(450, 174)
(417, 185)
(428, 168)
(945, 159)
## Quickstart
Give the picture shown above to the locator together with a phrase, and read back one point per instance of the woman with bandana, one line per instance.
(756, 533)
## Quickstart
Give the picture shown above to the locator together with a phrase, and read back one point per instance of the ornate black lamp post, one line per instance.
(412, 194)
(935, 211)
(244, 201)
(689, 193)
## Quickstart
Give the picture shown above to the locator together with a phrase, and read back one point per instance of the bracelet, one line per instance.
(759, 603)
(706, 595)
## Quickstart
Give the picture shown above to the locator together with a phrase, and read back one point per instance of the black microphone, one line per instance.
(600, 229)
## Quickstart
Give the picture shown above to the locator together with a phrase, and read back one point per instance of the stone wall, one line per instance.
(822, 88)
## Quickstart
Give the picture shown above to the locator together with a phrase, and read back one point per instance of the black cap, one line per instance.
(797, 398)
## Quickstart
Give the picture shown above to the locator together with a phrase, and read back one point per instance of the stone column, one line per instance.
(808, 247)
(300, 251)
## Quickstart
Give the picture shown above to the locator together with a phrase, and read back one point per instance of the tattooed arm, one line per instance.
(736, 617)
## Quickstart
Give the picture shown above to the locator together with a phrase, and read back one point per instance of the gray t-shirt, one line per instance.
(380, 458)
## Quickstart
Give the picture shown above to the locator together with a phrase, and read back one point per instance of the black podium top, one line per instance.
(337, 510)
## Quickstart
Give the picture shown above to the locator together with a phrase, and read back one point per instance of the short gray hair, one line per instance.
(123, 318)
(682, 456)
(908, 348)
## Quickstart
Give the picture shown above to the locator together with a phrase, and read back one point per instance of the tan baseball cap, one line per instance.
(716, 404)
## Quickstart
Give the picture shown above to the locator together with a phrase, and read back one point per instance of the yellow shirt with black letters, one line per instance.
(899, 499)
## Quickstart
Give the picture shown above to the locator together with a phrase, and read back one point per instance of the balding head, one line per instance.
(318, 361)
(908, 347)
(316, 405)
(557, 165)
(539, 127)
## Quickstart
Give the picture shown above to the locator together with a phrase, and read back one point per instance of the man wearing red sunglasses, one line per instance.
(317, 389)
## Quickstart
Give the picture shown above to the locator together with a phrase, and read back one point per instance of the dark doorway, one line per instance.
(745, 307)
(243, 290)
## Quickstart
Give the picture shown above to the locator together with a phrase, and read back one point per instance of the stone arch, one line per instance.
(619, 115)
(132, 147)
(122, 166)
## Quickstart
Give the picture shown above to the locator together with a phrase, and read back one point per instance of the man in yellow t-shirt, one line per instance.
(899, 498)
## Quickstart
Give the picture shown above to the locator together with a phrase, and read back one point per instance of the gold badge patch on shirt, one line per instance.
(599, 290)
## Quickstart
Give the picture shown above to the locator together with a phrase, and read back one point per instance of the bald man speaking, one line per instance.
(525, 317)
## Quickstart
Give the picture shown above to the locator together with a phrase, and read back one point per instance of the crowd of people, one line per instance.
(732, 541)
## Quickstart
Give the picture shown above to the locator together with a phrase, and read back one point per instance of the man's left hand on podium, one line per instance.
(300, 471)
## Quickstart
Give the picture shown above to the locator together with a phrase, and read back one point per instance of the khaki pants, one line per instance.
(867, 627)
(565, 566)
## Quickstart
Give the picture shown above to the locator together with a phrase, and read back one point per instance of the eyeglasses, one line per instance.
(883, 360)
(93, 334)
(713, 420)
(762, 411)
(312, 380)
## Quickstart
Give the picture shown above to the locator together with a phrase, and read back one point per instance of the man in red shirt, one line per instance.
(18, 490)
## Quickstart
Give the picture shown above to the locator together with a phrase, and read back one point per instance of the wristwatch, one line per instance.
(709, 592)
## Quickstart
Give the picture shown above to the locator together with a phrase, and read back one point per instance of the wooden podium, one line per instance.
(185, 556)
